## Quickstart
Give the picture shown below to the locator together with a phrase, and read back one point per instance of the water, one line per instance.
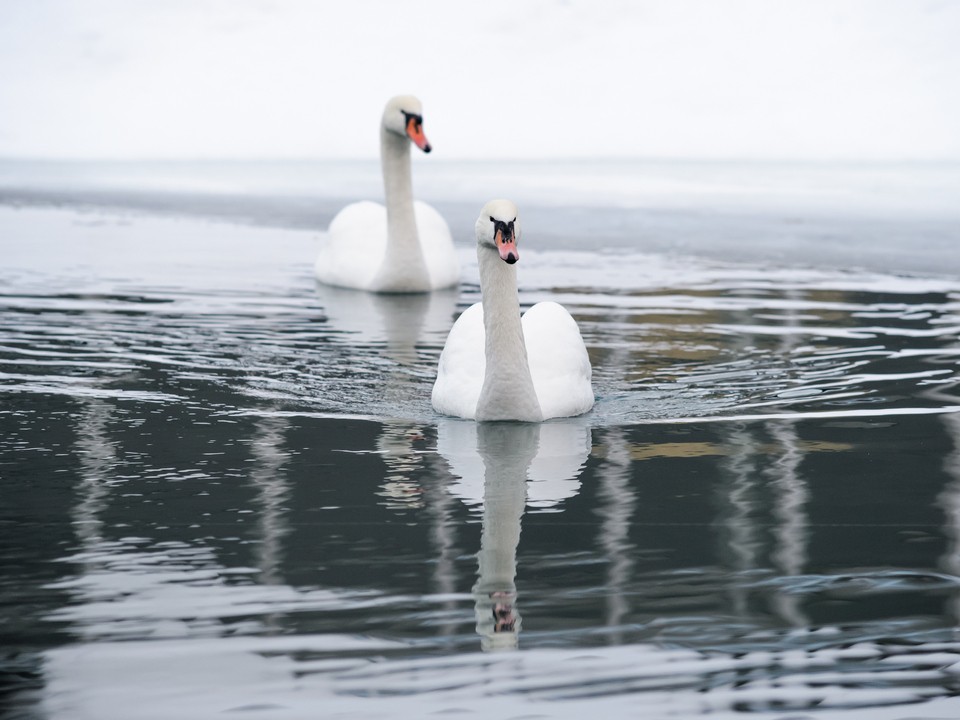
(224, 489)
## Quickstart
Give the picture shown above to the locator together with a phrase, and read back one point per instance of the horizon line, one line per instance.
(706, 159)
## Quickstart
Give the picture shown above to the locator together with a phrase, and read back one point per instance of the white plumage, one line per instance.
(538, 364)
(404, 246)
(356, 247)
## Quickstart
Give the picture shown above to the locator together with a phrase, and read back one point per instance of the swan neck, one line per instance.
(403, 260)
(508, 392)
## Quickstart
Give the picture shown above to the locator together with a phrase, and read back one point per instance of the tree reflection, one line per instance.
(754, 466)
(273, 494)
(789, 508)
(949, 497)
(616, 511)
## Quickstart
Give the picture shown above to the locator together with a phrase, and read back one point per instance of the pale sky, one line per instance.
(747, 79)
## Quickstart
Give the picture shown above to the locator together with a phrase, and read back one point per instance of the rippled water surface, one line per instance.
(224, 488)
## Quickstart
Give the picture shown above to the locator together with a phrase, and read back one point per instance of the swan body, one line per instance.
(402, 247)
(497, 365)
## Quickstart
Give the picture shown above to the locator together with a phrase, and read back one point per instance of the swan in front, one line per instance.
(405, 247)
(497, 366)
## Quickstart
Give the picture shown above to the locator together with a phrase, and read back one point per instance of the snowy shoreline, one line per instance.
(896, 218)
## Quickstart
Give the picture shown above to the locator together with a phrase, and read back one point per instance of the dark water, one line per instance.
(224, 490)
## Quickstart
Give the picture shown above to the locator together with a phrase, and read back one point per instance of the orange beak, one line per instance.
(507, 247)
(415, 132)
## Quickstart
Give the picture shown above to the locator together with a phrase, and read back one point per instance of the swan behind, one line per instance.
(404, 246)
(496, 365)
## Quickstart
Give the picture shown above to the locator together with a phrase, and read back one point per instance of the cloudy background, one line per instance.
(747, 79)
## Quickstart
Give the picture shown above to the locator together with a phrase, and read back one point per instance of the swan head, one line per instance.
(403, 116)
(498, 227)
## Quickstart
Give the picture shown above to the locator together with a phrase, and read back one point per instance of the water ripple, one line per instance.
(697, 340)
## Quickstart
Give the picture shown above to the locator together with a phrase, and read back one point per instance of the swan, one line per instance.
(405, 247)
(497, 366)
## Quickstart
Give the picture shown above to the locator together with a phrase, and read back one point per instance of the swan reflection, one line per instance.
(561, 447)
(399, 444)
(503, 468)
(399, 321)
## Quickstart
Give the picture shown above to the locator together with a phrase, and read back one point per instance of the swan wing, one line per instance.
(355, 245)
(456, 390)
(558, 359)
(436, 242)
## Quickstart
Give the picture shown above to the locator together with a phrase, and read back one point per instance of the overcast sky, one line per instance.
(809, 79)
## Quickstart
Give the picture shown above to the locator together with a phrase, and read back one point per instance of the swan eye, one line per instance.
(492, 220)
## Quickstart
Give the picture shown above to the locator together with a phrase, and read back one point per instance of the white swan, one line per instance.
(403, 247)
(496, 366)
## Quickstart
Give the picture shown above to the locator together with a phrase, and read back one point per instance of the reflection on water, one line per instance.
(506, 466)
(97, 456)
(398, 444)
(791, 494)
(400, 323)
(270, 482)
(227, 491)
(949, 499)
(617, 506)
(557, 450)
(507, 451)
